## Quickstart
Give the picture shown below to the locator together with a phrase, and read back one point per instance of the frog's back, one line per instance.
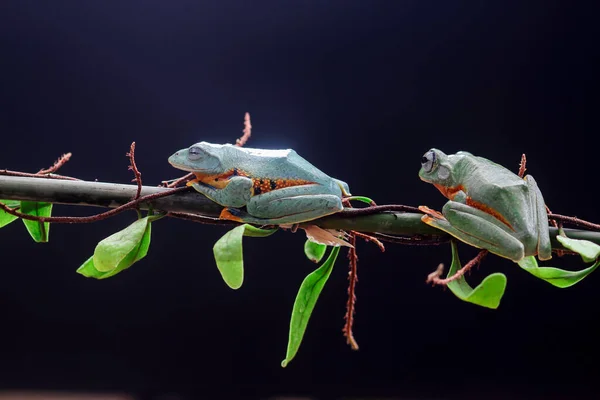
(496, 186)
(261, 163)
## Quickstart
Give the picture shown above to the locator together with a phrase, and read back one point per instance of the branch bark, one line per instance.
(111, 195)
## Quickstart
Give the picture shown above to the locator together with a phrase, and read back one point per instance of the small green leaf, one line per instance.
(361, 199)
(6, 218)
(120, 247)
(252, 231)
(39, 231)
(305, 303)
(314, 251)
(89, 270)
(228, 253)
(558, 277)
(589, 251)
(487, 294)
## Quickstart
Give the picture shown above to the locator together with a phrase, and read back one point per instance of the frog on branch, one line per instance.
(277, 187)
(489, 206)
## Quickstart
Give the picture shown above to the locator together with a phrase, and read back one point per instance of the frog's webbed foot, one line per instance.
(430, 214)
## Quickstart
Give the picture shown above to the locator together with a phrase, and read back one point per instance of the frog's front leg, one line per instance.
(289, 205)
(236, 193)
(477, 228)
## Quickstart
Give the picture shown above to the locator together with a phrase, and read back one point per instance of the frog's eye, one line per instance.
(427, 161)
(194, 153)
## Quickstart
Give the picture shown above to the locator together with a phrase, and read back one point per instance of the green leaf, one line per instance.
(120, 246)
(558, 277)
(137, 252)
(361, 199)
(589, 251)
(6, 218)
(252, 231)
(314, 251)
(305, 303)
(487, 294)
(228, 253)
(39, 231)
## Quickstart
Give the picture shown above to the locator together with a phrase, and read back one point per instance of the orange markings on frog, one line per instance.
(263, 185)
(259, 185)
(225, 214)
(488, 210)
(218, 181)
(450, 193)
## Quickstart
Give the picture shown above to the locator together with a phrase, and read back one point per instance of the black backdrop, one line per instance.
(362, 90)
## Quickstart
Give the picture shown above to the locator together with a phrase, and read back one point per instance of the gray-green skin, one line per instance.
(477, 179)
(280, 206)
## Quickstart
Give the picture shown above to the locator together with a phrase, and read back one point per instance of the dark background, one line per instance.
(362, 90)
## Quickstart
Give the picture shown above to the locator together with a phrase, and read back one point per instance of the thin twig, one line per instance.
(247, 131)
(92, 218)
(522, 166)
(136, 172)
(415, 240)
(350, 304)
(354, 212)
(175, 182)
(369, 238)
(8, 172)
(62, 160)
(434, 277)
(201, 218)
(575, 221)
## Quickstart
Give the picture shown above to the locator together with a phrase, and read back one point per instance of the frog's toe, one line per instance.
(231, 214)
(430, 214)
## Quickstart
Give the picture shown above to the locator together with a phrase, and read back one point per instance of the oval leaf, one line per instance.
(314, 251)
(558, 277)
(487, 294)
(88, 269)
(6, 218)
(228, 253)
(122, 246)
(305, 303)
(39, 231)
(229, 257)
(589, 251)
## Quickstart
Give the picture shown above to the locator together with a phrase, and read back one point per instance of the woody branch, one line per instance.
(191, 203)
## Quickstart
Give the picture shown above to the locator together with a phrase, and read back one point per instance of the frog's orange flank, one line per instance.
(259, 185)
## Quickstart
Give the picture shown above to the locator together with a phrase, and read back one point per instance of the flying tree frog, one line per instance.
(276, 187)
(489, 206)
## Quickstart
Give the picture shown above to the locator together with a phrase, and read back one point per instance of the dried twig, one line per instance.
(522, 166)
(136, 172)
(355, 212)
(92, 218)
(369, 238)
(434, 277)
(350, 304)
(62, 160)
(247, 131)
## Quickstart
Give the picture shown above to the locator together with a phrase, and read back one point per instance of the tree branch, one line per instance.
(112, 195)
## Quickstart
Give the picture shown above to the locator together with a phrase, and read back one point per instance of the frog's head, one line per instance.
(436, 168)
(201, 157)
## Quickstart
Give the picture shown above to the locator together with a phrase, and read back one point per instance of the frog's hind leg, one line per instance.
(289, 205)
(491, 235)
(544, 247)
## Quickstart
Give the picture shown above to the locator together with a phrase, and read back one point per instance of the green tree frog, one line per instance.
(276, 187)
(490, 207)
